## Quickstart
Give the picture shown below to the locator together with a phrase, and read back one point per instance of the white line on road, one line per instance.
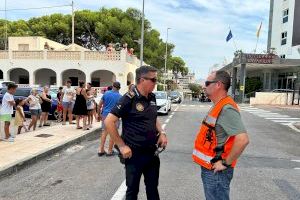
(167, 121)
(286, 124)
(283, 118)
(296, 161)
(297, 168)
(163, 126)
(120, 194)
(282, 121)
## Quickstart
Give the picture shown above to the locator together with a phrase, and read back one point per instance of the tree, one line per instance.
(93, 29)
(177, 65)
(195, 88)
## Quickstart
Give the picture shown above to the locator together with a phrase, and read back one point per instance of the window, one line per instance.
(285, 17)
(283, 38)
(23, 47)
(282, 56)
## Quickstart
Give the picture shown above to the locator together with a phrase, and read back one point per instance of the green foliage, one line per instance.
(253, 84)
(195, 88)
(96, 28)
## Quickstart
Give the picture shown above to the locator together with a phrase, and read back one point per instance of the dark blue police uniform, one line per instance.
(139, 132)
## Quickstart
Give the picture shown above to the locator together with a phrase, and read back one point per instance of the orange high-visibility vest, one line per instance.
(206, 141)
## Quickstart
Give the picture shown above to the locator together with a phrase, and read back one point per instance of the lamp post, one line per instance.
(142, 35)
(166, 58)
(5, 16)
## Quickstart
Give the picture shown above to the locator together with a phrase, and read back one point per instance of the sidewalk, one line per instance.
(40, 143)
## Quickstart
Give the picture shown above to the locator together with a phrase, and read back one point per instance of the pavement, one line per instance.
(28, 147)
(268, 169)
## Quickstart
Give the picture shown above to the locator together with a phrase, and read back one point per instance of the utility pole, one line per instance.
(5, 16)
(166, 58)
(142, 35)
(73, 24)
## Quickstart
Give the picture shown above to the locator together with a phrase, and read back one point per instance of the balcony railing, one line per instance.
(70, 55)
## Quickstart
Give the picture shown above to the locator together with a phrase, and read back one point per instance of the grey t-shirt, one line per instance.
(229, 123)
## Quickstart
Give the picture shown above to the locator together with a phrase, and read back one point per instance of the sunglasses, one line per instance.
(207, 83)
(154, 80)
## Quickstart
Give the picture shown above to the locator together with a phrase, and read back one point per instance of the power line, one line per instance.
(47, 7)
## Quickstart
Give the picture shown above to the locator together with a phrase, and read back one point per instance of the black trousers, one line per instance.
(142, 164)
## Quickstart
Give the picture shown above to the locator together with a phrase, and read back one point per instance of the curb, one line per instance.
(48, 152)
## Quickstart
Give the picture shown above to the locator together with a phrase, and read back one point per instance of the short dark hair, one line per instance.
(142, 71)
(60, 88)
(11, 86)
(225, 78)
(81, 83)
(18, 101)
(69, 81)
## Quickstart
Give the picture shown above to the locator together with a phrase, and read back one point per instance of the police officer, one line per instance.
(141, 135)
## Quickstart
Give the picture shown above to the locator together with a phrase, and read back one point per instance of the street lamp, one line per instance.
(166, 58)
(142, 35)
(5, 17)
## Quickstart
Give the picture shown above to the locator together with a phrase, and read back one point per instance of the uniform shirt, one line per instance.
(110, 99)
(6, 107)
(139, 116)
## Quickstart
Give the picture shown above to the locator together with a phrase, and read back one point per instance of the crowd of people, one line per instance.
(79, 103)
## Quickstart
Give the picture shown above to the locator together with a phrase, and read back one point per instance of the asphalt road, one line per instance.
(268, 169)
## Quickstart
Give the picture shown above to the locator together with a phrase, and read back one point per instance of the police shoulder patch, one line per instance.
(130, 94)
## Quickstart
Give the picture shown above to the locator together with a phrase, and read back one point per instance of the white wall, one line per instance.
(278, 27)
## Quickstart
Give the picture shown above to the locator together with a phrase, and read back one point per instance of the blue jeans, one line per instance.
(216, 185)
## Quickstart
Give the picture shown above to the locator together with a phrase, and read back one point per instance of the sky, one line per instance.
(198, 27)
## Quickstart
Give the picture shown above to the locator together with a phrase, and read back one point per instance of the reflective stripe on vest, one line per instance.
(202, 156)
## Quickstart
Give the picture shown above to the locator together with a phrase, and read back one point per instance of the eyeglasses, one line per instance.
(207, 83)
(154, 80)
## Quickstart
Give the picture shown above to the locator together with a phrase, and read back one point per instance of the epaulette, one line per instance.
(130, 94)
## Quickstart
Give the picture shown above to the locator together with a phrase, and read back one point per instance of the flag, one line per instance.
(229, 36)
(258, 31)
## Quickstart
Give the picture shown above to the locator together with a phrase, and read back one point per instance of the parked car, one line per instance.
(163, 102)
(203, 98)
(175, 97)
(23, 93)
(3, 84)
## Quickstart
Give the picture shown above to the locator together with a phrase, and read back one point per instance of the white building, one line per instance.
(284, 28)
(39, 61)
(184, 81)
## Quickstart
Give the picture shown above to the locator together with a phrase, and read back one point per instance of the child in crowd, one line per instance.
(7, 109)
(90, 103)
(20, 116)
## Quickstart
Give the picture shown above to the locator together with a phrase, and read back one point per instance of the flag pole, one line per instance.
(256, 44)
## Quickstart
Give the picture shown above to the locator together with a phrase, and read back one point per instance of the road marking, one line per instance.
(286, 124)
(183, 105)
(192, 105)
(163, 126)
(296, 161)
(297, 168)
(167, 121)
(282, 121)
(282, 118)
(120, 194)
(170, 117)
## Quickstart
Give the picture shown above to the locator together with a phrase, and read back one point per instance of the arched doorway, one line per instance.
(102, 78)
(74, 75)
(45, 77)
(19, 76)
(1, 75)
(130, 78)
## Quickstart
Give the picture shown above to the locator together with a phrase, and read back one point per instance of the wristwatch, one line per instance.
(225, 164)
(163, 132)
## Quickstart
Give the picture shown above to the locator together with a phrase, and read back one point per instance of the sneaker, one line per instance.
(10, 139)
(12, 136)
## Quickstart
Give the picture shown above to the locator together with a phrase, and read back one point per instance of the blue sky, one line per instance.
(199, 27)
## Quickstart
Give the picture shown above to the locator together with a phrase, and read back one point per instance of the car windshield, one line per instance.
(174, 93)
(160, 95)
(20, 93)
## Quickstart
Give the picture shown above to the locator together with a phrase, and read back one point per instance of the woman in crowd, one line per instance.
(34, 102)
(80, 108)
(46, 107)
